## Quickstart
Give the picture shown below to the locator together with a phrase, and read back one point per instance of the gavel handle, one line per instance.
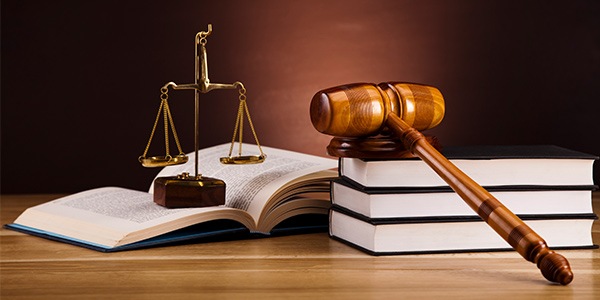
(523, 239)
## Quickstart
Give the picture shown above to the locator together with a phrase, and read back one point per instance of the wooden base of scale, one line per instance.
(188, 191)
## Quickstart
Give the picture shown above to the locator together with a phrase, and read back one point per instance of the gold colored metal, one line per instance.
(242, 160)
(163, 161)
(203, 85)
(184, 190)
(238, 131)
(167, 159)
(186, 176)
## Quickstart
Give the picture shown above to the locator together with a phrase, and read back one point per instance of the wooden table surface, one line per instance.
(310, 266)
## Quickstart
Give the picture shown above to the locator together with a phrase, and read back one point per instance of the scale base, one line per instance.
(188, 191)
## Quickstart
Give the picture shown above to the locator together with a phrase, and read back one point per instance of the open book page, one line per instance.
(308, 194)
(113, 216)
(109, 217)
(250, 187)
(306, 203)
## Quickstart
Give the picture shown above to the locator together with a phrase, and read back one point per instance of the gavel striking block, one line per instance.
(364, 110)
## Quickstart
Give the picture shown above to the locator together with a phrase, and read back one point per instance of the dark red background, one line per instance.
(81, 79)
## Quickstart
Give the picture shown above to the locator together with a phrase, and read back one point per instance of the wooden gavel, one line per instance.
(362, 109)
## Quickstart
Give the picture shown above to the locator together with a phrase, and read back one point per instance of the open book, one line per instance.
(259, 197)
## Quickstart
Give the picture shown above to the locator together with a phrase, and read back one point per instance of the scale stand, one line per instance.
(185, 190)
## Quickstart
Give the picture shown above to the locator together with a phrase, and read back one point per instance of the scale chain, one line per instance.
(252, 128)
(153, 130)
(168, 120)
(239, 124)
(173, 128)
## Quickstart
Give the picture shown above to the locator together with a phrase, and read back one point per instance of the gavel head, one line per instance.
(361, 109)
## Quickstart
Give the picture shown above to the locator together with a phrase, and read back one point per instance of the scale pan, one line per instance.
(243, 160)
(163, 161)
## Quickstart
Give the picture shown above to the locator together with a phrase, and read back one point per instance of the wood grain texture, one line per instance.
(304, 266)
(361, 109)
(521, 237)
(356, 110)
(380, 146)
(420, 106)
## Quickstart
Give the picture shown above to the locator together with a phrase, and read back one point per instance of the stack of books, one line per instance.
(401, 206)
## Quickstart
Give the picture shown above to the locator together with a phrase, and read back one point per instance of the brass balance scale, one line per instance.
(185, 190)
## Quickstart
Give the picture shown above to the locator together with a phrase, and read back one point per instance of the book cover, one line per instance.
(392, 236)
(443, 201)
(535, 165)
